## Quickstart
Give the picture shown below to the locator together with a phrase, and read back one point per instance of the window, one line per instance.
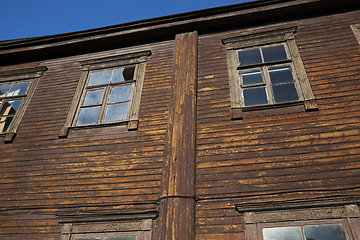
(106, 227)
(16, 90)
(329, 231)
(108, 92)
(107, 236)
(265, 71)
(329, 218)
(107, 96)
(356, 30)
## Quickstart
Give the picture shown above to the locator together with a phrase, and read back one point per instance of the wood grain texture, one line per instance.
(101, 170)
(284, 153)
(176, 219)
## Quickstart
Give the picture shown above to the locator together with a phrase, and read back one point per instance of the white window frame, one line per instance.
(138, 60)
(31, 75)
(281, 36)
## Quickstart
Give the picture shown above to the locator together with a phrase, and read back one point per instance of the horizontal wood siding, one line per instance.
(284, 153)
(99, 170)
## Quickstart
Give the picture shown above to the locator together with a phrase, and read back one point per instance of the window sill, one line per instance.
(298, 106)
(7, 137)
(132, 125)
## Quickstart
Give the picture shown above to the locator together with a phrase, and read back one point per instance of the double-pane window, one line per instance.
(107, 96)
(306, 232)
(105, 238)
(267, 76)
(11, 96)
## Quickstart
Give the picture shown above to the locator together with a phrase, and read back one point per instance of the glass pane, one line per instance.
(274, 53)
(252, 77)
(18, 89)
(123, 74)
(3, 89)
(282, 233)
(280, 75)
(285, 93)
(324, 232)
(5, 123)
(88, 115)
(116, 112)
(98, 238)
(249, 57)
(93, 97)
(120, 94)
(122, 238)
(98, 78)
(255, 96)
(10, 107)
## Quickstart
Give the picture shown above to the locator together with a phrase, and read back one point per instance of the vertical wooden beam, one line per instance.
(176, 217)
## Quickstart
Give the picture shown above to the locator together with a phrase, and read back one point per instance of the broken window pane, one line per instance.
(93, 97)
(274, 53)
(252, 77)
(324, 232)
(123, 74)
(88, 115)
(255, 96)
(282, 233)
(98, 78)
(249, 57)
(116, 112)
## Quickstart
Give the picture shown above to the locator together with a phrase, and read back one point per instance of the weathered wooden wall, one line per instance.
(92, 170)
(269, 155)
(283, 153)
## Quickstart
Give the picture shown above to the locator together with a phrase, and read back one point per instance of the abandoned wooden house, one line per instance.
(237, 122)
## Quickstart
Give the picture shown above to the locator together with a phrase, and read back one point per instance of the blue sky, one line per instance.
(32, 18)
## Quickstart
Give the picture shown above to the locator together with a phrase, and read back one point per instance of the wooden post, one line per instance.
(176, 214)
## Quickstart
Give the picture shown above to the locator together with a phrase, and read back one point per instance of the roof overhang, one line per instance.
(242, 15)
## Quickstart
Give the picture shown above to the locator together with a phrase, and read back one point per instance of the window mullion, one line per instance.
(104, 103)
(268, 86)
(302, 232)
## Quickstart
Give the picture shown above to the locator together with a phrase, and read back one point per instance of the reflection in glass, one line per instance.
(18, 89)
(7, 114)
(10, 107)
(285, 93)
(3, 89)
(123, 74)
(89, 238)
(274, 53)
(280, 74)
(97, 78)
(88, 115)
(252, 77)
(120, 94)
(255, 96)
(122, 238)
(5, 123)
(282, 233)
(93, 97)
(325, 232)
(116, 112)
(249, 57)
